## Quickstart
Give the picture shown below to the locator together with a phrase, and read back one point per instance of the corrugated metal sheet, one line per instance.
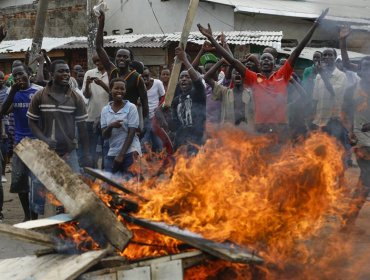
(48, 44)
(262, 38)
(307, 52)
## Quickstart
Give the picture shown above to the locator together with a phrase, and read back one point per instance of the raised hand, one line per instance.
(180, 53)
(344, 31)
(323, 14)
(3, 32)
(207, 47)
(207, 32)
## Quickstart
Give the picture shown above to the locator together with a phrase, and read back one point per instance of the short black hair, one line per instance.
(138, 66)
(129, 50)
(111, 83)
(25, 67)
(55, 63)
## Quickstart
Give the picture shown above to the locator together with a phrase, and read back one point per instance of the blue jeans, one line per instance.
(152, 139)
(93, 142)
(127, 162)
(38, 191)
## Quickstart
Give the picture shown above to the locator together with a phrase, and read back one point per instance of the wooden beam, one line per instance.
(46, 222)
(50, 267)
(80, 201)
(226, 251)
(27, 235)
(192, 10)
(109, 179)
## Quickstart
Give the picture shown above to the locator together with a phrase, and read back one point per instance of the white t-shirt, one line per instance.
(154, 94)
(99, 97)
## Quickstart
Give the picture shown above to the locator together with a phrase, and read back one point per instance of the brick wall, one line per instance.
(65, 18)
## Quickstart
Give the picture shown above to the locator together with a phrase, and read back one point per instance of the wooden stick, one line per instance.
(109, 180)
(72, 192)
(27, 235)
(226, 251)
(192, 9)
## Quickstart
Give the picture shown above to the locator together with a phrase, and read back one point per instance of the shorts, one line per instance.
(20, 176)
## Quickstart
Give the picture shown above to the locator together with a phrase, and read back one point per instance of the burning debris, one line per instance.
(253, 212)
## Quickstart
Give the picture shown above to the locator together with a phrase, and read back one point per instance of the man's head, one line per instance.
(60, 73)
(185, 81)
(21, 76)
(317, 57)
(97, 62)
(80, 78)
(123, 57)
(118, 89)
(165, 75)
(267, 63)
(16, 63)
(364, 69)
(328, 58)
(2, 81)
(146, 76)
(236, 78)
(76, 69)
(138, 66)
(272, 51)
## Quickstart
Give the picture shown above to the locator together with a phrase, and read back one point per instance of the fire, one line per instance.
(240, 189)
(79, 237)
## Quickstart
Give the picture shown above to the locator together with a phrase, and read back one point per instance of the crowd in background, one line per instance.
(108, 116)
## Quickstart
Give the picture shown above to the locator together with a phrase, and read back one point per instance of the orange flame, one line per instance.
(82, 240)
(239, 189)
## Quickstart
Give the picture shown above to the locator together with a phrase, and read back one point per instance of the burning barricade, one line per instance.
(236, 210)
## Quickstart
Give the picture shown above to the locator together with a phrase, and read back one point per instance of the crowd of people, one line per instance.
(116, 110)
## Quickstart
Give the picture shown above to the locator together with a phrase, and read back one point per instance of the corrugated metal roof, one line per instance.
(148, 42)
(48, 44)
(307, 52)
(340, 10)
(262, 38)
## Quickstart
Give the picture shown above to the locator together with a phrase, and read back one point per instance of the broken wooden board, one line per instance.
(226, 251)
(109, 179)
(50, 267)
(80, 201)
(45, 222)
(27, 235)
(176, 68)
(113, 270)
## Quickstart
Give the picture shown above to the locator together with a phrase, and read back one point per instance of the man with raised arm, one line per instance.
(269, 87)
(189, 107)
(135, 86)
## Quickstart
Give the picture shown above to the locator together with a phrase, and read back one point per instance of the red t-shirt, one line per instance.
(270, 95)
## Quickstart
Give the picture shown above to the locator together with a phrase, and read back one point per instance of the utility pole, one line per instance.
(38, 33)
(91, 31)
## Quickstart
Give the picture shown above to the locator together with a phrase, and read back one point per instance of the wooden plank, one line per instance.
(138, 273)
(26, 235)
(108, 178)
(50, 267)
(80, 201)
(226, 251)
(192, 10)
(167, 270)
(46, 222)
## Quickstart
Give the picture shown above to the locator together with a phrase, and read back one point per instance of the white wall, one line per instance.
(293, 28)
(138, 15)
(7, 3)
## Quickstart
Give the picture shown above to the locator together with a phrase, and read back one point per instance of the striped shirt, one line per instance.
(58, 118)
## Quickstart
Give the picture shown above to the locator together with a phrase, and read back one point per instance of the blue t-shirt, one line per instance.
(21, 102)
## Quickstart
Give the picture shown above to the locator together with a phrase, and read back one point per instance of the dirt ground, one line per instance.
(360, 238)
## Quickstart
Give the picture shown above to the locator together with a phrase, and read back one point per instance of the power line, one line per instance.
(155, 16)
